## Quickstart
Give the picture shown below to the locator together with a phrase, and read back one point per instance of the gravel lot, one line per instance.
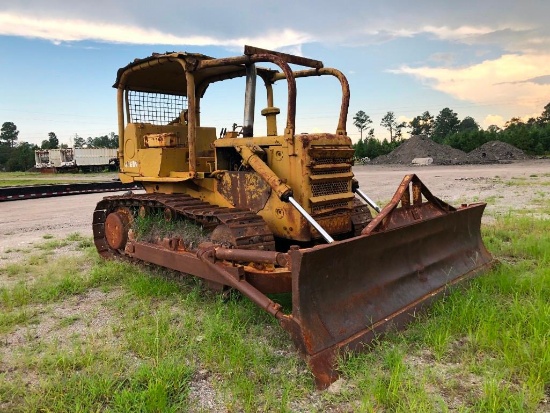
(516, 185)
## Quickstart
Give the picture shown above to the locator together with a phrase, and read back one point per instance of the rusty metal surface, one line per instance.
(98, 229)
(334, 223)
(268, 257)
(247, 230)
(246, 189)
(265, 270)
(297, 60)
(345, 293)
(116, 230)
(329, 160)
(203, 264)
(344, 106)
(234, 277)
(360, 217)
(251, 158)
(269, 281)
(324, 152)
(184, 262)
(412, 202)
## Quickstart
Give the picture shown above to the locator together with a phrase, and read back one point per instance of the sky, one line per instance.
(486, 59)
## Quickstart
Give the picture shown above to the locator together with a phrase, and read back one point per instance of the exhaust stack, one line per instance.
(249, 101)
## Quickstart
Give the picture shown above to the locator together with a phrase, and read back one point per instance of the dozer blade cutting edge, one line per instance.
(346, 293)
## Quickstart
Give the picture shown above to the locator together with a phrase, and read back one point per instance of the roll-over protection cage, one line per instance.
(189, 75)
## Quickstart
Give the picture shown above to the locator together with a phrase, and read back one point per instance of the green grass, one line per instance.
(155, 336)
(37, 178)
(155, 227)
(525, 182)
(492, 199)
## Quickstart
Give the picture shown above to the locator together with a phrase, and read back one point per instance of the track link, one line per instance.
(247, 229)
(360, 216)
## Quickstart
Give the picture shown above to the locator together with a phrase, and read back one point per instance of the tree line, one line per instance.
(531, 136)
(18, 155)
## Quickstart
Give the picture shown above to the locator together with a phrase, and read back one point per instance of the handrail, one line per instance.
(344, 107)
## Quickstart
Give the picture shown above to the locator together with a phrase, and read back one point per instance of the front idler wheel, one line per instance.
(117, 225)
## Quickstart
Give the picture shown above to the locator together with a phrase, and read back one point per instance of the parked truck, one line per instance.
(71, 159)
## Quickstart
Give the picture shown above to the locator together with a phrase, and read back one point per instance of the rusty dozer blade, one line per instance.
(346, 293)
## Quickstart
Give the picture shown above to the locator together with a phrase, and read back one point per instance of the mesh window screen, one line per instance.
(155, 108)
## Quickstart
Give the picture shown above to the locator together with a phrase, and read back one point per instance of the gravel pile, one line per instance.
(422, 147)
(495, 151)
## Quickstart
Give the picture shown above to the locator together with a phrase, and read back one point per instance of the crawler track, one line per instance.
(246, 229)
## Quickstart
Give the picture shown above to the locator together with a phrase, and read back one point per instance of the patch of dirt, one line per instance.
(520, 185)
(21, 254)
(203, 396)
(424, 147)
(78, 316)
(27, 221)
(495, 151)
(451, 381)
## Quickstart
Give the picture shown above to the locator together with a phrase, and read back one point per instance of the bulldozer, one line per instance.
(281, 212)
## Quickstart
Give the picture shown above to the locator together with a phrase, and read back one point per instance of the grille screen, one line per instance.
(324, 161)
(330, 171)
(318, 208)
(329, 188)
(332, 165)
(155, 108)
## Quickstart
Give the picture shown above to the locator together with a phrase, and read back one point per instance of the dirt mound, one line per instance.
(495, 151)
(422, 147)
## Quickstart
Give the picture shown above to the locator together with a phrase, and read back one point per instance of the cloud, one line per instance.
(501, 122)
(462, 33)
(375, 34)
(219, 23)
(499, 81)
(493, 120)
(539, 80)
(68, 30)
(523, 40)
(515, 38)
(405, 119)
(443, 58)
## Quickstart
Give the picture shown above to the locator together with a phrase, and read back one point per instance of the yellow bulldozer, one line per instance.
(279, 212)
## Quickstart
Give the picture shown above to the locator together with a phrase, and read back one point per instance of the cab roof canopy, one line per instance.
(164, 73)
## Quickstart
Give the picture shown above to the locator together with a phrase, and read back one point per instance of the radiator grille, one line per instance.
(329, 188)
(327, 162)
(324, 161)
(330, 171)
(334, 205)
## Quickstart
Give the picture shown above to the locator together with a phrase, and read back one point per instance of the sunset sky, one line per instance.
(486, 59)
